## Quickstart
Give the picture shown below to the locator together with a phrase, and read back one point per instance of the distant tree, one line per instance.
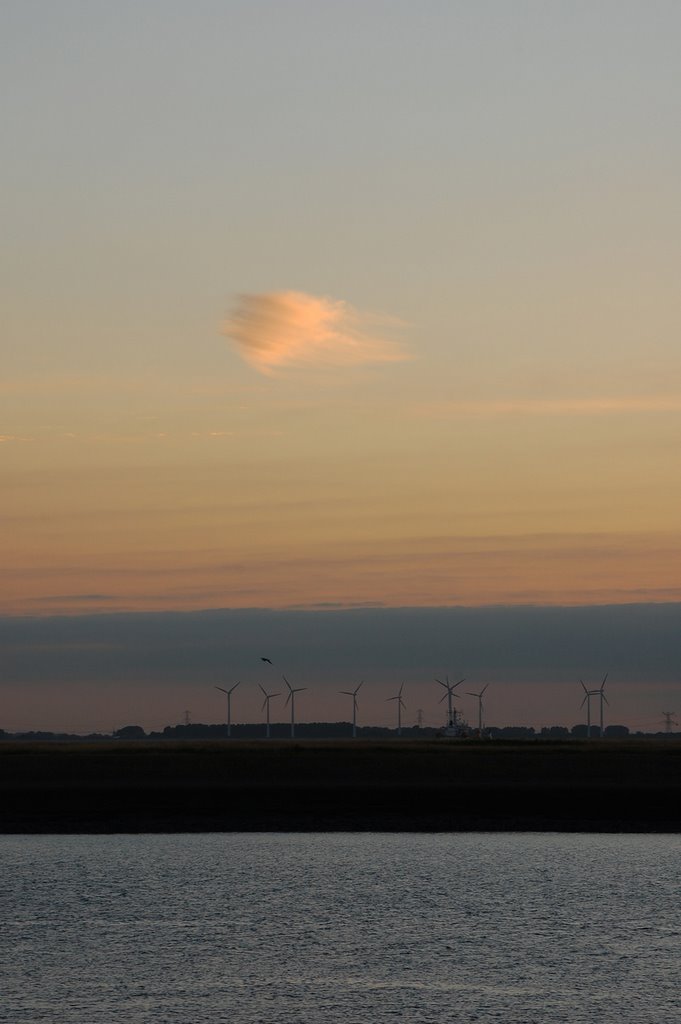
(555, 732)
(512, 732)
(130, 732)
(616, 731)
(580, 731)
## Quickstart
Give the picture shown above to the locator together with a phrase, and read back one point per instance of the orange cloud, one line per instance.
(277, 330)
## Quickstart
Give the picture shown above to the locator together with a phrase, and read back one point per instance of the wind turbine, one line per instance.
(292, 698)
(588, 694)
(450, 687)
(479, 696)
(400, 705)
(229, 706)
(266, 706)
(353, 694)
(602, 698)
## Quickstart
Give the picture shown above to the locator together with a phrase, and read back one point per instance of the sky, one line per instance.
(329, 308)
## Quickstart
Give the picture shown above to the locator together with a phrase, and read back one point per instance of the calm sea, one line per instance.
(349, 928)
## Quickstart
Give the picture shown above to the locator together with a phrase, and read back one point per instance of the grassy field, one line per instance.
(341, 785)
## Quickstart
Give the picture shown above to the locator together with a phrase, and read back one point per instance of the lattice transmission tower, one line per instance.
(669, 720)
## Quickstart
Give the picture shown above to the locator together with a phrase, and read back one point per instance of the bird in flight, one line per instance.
(267, 660)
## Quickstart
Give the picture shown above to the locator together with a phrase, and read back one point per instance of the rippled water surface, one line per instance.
(330, 928)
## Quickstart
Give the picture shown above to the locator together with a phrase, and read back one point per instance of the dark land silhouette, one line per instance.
(333, 730)
(341, 785)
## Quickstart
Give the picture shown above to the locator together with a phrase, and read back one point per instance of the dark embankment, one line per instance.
(608, 786)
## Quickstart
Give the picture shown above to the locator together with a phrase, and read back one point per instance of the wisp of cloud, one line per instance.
(279, 330)
(598, 406)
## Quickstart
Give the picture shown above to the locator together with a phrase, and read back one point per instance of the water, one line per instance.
(329, 928)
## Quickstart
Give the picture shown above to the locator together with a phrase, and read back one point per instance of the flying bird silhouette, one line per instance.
(267, 660)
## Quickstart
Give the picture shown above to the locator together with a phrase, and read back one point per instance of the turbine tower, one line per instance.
(266, 707)
(229, 706)
(588, 694)
(479, 696)
(400, 705)
(450, 687)
(353, 694)
(292, 700)
(587, 700)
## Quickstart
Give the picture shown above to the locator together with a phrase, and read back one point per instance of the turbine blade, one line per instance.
(604, 678)
(262, 688)
(484, 688)
(583, 686)
(286, 681)
(459, 682)
(222, 689)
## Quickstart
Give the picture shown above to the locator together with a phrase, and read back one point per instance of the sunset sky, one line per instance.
(316, 305)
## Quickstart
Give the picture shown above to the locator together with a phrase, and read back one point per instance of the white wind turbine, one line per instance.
(353, 694)
(229, 705)
(400, 705)
(292, 699)
(266, 707)
(479, 696)
(588, 694)
(450, 687)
